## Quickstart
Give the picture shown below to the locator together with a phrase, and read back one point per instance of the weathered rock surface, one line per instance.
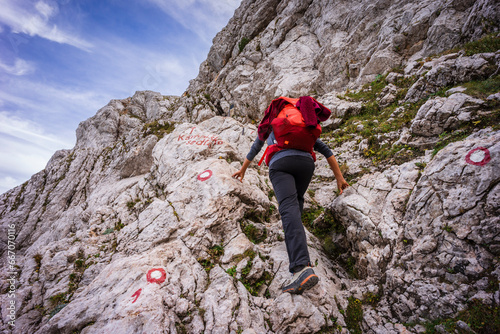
(445, 114)
(427, 238)
(140, 228)
(449, 70)
(99, 248)
(91, 236)
(304, 47)
(372, 211)
(453, 240)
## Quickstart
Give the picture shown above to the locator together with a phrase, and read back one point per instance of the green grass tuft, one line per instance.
(354, 315)
(244, 41)
(158, 129)
(255, 235)
(482, 318)
(482, 89)
(488, 43)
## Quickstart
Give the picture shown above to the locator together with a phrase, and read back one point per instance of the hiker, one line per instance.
(290, 157)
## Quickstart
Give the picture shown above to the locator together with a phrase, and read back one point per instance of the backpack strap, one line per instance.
(264, 155)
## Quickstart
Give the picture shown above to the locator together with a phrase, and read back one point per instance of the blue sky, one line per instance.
(62, 60)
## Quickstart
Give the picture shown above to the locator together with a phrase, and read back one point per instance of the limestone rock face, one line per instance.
(449, 70)
(445, 114)
(435, 225)
(103, 250)
(453, 233)
(373, 211)
(303, 47)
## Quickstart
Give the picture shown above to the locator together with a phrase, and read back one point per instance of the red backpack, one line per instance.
(291, 131)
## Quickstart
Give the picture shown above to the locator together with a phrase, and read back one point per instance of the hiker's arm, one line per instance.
(322, 148)
(254, 150)
(241, 173)
(325, 150)
(341, 183)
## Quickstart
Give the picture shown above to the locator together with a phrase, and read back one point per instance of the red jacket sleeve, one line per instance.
(271, 113)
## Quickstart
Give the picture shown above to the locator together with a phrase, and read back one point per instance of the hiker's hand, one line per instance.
(239, 174)
(342, 184)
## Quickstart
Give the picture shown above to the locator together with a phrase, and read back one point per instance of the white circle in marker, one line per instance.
(156, 274)
(203, 176)
(478, 156)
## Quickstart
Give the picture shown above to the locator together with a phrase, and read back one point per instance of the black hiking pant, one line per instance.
(290, 177)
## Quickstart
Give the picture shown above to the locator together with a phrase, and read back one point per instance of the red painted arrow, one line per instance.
(136, 295)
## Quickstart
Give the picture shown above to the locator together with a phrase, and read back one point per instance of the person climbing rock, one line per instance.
(291, 127)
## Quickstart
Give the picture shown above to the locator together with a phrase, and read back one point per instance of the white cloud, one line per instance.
(141, 69)
(28, 131)
(7, 182)
(22, 17)
(45, 9)
(49, 101)
(203, 17)
(25, 150)
(226, 7)
(20, 67)
(167, 74)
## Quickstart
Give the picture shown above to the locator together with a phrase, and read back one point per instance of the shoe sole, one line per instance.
(306, 284)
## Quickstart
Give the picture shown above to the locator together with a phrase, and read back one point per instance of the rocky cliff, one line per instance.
(303, 47)
(141, 229)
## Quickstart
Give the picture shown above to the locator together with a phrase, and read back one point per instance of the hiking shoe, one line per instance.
(301, 281)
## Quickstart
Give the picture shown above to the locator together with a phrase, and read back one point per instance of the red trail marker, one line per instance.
(479, 156)
(156, 275)
(205, 175)
(136, 295)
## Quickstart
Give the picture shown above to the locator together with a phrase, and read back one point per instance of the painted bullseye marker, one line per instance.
(156, 275)
(205, 175)
(479, 156)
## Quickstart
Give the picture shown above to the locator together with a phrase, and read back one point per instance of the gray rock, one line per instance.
(393, 77)
(458, 89)
(444, 114)
(438, 227)
(495, 96)
(440, 329)
(340, 108)
(131, 228)
(363, 145)
(387, 100)
(450, 70)
(331, 124)
(464, 327)
(334, 46)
